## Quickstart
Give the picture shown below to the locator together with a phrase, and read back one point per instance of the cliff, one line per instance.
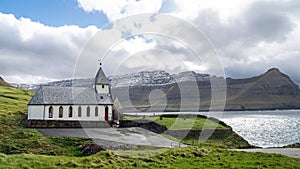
(3, 83)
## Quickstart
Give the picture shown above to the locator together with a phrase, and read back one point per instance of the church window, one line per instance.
(79, 111)
(70, 111)
(50, 112)
(102, 86)
(88, 111)
(96, 111)
(60, 112)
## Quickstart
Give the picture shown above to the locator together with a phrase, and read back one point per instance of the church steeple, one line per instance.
(101, 82)
(100, 77)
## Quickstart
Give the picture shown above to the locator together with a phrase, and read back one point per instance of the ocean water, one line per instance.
(265, 128)
(260, 128)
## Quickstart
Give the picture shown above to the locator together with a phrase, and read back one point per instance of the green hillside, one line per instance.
(190, 157)
(15, 139)
(3, 83)
(223, 138)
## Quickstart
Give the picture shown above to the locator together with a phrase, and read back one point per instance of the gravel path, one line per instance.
(133, 135)
(291, 152)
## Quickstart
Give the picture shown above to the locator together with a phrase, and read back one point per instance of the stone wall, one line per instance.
(181, 134)
(145, 124)
(66, 124)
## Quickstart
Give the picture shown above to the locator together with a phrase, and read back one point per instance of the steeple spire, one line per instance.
(100, 78)
(100, 62)
(101, 84)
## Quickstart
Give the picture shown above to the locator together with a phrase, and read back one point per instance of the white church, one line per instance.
(92, 103)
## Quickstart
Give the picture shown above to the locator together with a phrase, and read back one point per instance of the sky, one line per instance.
(43, 40)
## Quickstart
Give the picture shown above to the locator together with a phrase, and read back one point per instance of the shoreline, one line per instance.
(153, 113)
(292, 145)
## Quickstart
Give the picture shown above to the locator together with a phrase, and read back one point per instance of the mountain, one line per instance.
(155, 78)
(61, 83)
(270, 90)
(3, 83)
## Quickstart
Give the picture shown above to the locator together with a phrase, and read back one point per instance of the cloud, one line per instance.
(253, 26)
(251, 36)
(30, 50)
(115, 9)
(135, 44)
(230, 8)
(148, 52)
(245, 33)
(152, 51)
(262, 36)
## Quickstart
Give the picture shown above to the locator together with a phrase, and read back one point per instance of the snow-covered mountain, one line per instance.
(144, 78)
(155, 78)
(268, 91)
(26, 86)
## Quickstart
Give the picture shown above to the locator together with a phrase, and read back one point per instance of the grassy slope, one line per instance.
(15, 139)
(3, 83)
(190, 157)
(172, 122)
(180, 123)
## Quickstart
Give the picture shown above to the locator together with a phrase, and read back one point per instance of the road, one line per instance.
(132, 135)
(290, 152)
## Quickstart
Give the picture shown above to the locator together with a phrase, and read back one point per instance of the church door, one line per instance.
(106, 113)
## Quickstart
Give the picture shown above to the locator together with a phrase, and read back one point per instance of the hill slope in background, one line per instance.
(268, 91)
(271, 90)
(3, 83)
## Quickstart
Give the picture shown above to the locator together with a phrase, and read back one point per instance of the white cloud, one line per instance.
(152, 59)
(30, 49)
(134, 44)
(250, 35)
(117, 9)
(153, 52)
(264, 34)
(195, 67)
(227, 9)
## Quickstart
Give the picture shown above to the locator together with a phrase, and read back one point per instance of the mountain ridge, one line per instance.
(270, 90)
(3, 82)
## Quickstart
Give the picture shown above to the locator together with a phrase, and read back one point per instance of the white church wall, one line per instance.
(35, 112)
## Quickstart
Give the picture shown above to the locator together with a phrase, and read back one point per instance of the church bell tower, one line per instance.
(101, 83)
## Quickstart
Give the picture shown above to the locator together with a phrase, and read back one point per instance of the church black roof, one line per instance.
(69, 95)
(101, 78)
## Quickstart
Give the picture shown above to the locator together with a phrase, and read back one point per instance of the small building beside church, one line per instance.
(92, 103)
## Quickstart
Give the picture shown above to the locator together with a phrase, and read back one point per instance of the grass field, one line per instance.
(26, 148)
(190, 157)
(172, 122)
(15, 139)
